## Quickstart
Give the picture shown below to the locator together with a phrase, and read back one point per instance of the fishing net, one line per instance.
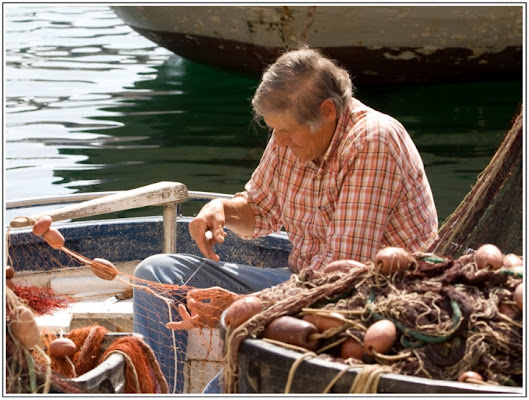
(35, 361)
(450, 316)
(89, 301)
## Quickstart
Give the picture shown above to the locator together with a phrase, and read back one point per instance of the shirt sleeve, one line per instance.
(260, 192)
(371, 188)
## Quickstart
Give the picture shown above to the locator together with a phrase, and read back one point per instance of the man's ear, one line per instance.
(328, 110)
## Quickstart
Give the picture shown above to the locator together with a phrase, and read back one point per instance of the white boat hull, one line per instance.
(378, 44)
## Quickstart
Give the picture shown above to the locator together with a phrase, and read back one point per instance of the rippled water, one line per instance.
(92, 106)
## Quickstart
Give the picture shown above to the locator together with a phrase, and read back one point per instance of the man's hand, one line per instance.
(205, 306)
(234, 214)
(210, 218)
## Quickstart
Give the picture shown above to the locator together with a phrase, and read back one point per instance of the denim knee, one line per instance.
(167, 268)
(147, 268)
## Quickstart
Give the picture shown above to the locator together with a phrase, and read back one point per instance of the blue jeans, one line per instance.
(151, 313)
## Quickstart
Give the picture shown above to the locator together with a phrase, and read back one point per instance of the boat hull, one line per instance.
(377, 44)
(265, 368)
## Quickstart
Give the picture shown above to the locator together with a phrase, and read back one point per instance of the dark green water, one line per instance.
(92, 106)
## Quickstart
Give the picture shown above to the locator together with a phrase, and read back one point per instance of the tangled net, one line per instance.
(201, 362)
(31, 366)
(450, 316)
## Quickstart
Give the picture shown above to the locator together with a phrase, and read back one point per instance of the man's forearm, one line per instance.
(239, 216)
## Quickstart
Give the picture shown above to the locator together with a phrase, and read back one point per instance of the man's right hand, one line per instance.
(234, 214)
(210, 218)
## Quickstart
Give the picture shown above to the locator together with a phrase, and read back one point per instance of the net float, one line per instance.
(512, 261)
(380, 336)
(62, 347)
(54, 238)
(24, 327)
(392, 259)
(104, 269)
(10, 272)
(469, 376)
(488, 256)
(42, 225)
(242, 310)
(343, 266)
(351, 348)
(324, 322)
(293, 331)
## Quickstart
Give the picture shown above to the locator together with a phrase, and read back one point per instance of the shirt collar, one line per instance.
(337, 137)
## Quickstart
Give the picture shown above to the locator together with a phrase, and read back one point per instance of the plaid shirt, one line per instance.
(369, 191)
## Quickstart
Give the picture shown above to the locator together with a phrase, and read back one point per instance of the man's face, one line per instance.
(305, 144)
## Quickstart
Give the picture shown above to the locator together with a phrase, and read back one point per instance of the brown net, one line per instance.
(36, 363)
(450, 317)
(88, 301)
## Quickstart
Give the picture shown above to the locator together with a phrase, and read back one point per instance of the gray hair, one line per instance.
(299, 81)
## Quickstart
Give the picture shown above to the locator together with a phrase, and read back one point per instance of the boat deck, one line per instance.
(107, 303)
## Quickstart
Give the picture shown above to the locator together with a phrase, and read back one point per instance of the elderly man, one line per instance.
(342, 179)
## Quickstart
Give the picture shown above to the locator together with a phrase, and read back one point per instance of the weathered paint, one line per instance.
(377, 44)
(159, 193)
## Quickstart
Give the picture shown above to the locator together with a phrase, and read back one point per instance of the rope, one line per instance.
(293, 369)
(144, 364)
(396, 357)
(86, 358)
(413, 333)
(336, 379)
(154, 365)
(322, 286)
(132, 368)
(367, 380)
(513, 273)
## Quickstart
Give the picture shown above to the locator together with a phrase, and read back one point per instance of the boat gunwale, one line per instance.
(80, 197)
(258, 349)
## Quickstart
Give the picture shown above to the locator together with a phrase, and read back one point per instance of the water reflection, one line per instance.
(63, 66)
(92, 106)
(189, 124)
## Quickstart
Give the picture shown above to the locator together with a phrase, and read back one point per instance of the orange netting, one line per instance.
(200, 363)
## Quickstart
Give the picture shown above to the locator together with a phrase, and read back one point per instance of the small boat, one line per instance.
(378, 44)
(126, 241)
